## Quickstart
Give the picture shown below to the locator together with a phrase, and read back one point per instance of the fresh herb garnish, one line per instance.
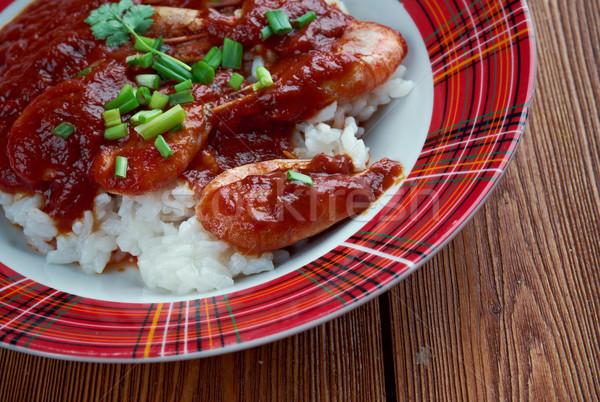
(64, 130)
(302, 178)
(116, 21)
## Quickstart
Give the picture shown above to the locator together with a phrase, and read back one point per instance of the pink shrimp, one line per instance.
(257, 208)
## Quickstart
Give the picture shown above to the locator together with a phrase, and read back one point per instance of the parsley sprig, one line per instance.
(116, 21)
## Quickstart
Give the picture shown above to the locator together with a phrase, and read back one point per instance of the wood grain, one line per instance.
(510, 310)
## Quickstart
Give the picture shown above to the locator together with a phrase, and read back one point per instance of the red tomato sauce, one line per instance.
(44, 49)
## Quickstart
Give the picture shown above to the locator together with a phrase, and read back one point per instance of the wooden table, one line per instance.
(510, 310)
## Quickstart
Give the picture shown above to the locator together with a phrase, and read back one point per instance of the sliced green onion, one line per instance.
(143, 95)
(232, 54)
(144, 45)
(264, 76)
(166, 73)
(124, 97)
(85, 72)
(213, 57)
(132, 60)
(121, 167)
(171, 69)
(236, 81)
(147, 42)
(64, 130)
(111, 117)
(203, 73)
(279, 21)
(158, 100)
(151, 81)
(187, 84)
(158, 43)
(305, 19)
(146, 60)
(130, 105)
(266, 33)
(163, 147)
(126, 87)
(144, 116)
(295, 176)
(183, 97)
(162, 123)
(116, 132)
(143, 60)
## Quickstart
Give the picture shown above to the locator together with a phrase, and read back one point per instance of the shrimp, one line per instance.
(257, 208)
(347, 59)
(147, 169)
(185, 30)
(86, 159)
(365, 56)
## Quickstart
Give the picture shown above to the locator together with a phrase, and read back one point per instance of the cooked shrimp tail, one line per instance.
(362, 59)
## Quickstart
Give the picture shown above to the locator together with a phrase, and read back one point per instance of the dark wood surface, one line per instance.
(510, 310)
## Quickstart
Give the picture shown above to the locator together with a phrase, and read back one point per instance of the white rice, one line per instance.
(160, 229)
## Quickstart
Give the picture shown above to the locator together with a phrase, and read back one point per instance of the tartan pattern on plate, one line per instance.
(483, 61)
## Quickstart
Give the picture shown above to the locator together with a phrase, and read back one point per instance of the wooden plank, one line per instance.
(510, 309)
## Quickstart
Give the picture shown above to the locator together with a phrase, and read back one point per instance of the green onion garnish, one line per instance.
(163, 147)
(64, 130)
(279, 22)
(171, 69)
(116, 132)
(143, 95)
(166, 73)
(158, 100)
(132, 60)
(158, 43)
(151, 81)
(121, 167)
(182, 86)
(162, 123)
(213, 57)
(236, 81)
(143, 60)
(111, 117)
(203, 73)
(295, 176)
(146, 60)
(264, 76)
(232, 54)
(130, 105)
(266, 33)
(305, 19)
(144, 116)
(126, 87)
(85, 72)
(148, 42)
(183, 97)
(124, 97)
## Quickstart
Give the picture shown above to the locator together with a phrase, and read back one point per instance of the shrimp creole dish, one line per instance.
(196, 139)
